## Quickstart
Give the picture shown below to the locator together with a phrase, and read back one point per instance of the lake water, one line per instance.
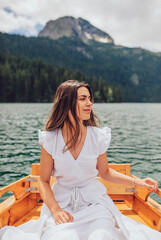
(136, 137)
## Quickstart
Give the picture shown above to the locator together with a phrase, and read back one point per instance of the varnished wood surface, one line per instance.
(25, 204)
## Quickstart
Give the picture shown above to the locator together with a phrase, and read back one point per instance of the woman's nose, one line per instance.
(89, 102)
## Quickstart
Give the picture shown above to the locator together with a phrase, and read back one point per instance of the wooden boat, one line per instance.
(26, 202)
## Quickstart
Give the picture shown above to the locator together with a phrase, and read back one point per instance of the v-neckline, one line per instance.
(81, 148)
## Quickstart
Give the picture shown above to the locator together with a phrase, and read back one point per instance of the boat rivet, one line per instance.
(154, 223)
(23, 184)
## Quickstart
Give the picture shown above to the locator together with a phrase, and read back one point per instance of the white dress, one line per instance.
(78, 191)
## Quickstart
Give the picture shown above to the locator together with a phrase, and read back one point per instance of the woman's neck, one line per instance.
(69, 133)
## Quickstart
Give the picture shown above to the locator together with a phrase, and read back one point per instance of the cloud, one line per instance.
(8, 10)
(132, 23)
(12, 20)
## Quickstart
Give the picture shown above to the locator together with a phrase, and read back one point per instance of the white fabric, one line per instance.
(78, 191)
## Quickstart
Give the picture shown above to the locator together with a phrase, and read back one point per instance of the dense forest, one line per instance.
(24, 80)
(129, 74)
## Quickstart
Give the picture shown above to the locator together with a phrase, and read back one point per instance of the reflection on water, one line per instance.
(136, 137)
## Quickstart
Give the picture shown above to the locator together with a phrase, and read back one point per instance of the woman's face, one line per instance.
(84, 104)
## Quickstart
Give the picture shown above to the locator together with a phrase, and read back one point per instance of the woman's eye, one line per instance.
(82, 99)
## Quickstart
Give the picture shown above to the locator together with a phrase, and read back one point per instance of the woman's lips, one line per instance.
(87, 110)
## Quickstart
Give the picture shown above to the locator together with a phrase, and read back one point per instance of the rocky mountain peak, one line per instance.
(72, 27)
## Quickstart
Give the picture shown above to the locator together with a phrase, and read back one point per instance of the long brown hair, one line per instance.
(65, 100)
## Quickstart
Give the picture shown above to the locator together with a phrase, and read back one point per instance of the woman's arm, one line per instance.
(46, 167)
(113, 176)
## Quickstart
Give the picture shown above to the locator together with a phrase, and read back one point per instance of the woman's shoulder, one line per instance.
(101, 137)
(47, 135)
(48, 140)
(100, 131)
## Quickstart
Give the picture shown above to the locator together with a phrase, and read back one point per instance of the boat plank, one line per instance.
(123, 168)
(20, 209)
(128, 212)
(34, 214)
(18, 188)
(147, 213)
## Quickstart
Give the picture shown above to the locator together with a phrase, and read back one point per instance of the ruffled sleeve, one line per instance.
(104, 138)
(46, 139)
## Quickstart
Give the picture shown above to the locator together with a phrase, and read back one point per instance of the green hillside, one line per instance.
(133, 72)
(24, 80)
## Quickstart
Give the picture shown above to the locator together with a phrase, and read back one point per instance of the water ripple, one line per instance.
(136, 137)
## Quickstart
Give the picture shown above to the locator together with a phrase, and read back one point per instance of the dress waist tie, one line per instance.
(75, 198)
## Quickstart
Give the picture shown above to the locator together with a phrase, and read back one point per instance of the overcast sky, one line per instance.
(132, 23)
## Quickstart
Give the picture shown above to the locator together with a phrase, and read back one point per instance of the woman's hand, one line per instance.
(153, 184)
(61, 216)
(148, 182)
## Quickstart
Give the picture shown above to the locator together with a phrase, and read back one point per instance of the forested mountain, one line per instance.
(24, 80)
(134, 71)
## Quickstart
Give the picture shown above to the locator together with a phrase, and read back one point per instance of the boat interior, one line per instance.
(25, 204)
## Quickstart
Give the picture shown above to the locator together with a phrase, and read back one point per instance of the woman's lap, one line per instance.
(93, 222)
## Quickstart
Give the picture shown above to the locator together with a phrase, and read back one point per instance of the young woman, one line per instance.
(74, 151)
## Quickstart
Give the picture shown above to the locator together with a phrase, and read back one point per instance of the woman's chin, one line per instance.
(86, 118)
